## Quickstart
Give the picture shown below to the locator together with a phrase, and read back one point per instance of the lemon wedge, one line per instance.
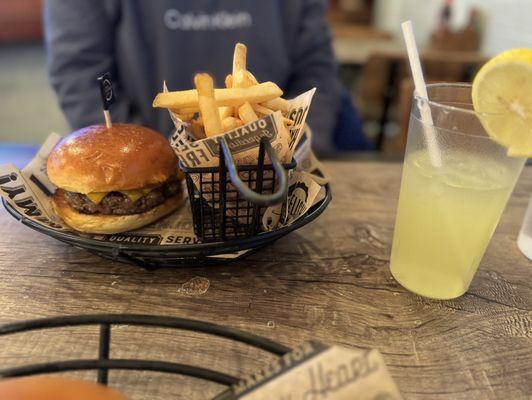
(502, 96)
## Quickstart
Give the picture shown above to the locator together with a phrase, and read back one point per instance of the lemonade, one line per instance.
(445, 219)
(467, 145)
(449, 206)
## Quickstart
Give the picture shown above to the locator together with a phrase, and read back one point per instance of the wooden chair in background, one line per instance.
(406, 95)
(382, 83)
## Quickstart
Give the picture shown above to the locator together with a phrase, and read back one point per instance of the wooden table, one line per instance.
(329, 281)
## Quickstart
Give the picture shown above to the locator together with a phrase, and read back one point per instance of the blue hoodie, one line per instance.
(143, 42)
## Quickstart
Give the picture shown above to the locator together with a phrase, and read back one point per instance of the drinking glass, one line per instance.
(449, 209)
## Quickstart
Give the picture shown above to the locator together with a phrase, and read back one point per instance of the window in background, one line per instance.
(506, 22)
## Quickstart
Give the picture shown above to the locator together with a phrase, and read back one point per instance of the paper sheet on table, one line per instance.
(315, 371)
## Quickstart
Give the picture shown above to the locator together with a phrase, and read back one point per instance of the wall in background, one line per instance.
(28, 107)
(507, 22)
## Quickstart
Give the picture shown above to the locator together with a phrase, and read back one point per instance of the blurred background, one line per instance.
(455, 39)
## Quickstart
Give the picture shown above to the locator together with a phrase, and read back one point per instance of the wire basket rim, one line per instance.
(104, 363)
(203, 249)
(161, 321)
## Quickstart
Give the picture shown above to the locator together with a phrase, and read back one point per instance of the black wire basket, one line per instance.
(228, 202)
(103, 363)
(175, 255)
(229, 226)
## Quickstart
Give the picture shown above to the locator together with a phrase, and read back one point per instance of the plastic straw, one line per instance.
(421, 91)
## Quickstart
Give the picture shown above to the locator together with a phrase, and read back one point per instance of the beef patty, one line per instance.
(116, 203)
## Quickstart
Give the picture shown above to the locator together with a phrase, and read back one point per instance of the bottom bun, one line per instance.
(54, 388)
(108, 224)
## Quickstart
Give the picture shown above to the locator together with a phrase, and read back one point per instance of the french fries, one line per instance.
(277, 104)
(186, 114)
(229, 81)
(209, 112)
(243, 100)
(223, 97)
(251, 77)
(244, 79)
(225, 112)
(230, 123)
(187, 110)
(239, 67)
(266, 111)
(183, 114)
(246, 113)
(239, 58)
(262, 110)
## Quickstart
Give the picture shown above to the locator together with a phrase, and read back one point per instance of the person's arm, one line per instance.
(79, 37)
(314, 65)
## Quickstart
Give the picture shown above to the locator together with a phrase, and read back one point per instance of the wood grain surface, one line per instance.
(329, 281)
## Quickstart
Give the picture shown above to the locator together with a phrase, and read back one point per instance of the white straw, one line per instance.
(421, 91)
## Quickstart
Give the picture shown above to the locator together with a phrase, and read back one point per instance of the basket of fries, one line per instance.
(228, 202)
(236, 147)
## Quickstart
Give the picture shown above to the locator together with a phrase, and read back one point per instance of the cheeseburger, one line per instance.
(114, 179)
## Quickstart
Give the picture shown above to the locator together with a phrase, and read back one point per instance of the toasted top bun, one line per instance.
(101, 159)
(54, 388)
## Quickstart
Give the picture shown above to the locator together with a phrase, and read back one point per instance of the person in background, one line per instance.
(143, 43)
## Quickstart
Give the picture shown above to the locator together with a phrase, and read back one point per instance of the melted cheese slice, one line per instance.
(136, 194)
(96, 197)
(133, 195)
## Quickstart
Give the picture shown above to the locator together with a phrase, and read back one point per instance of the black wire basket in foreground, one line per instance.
(228, 202)
(102, 363)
